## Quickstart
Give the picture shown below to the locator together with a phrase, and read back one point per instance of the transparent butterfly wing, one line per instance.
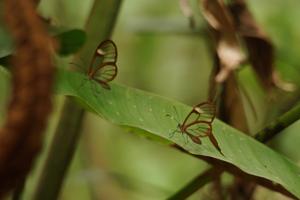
(106, 72)
(106, 52)
(199, 129)
(205, 112)
(198, 123)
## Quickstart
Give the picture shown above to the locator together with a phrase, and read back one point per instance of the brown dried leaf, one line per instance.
(260, 47)
(217, 15)
(230, 57)
(228, 48)
(232, 109)
(286, 86)
(229, 100)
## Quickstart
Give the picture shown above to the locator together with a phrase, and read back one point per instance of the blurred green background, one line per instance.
(159, 53)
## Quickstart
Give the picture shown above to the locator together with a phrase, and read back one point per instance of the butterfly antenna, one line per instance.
(77, 65)
(168, 115)
(177, 116)
(80, 66)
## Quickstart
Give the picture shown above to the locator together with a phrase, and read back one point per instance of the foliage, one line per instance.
(158, 53)
(134, 108)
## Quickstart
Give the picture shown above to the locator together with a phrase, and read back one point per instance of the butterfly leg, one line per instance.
(177, 116)
(77, 67)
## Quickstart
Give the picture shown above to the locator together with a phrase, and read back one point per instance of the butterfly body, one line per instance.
(183, 130)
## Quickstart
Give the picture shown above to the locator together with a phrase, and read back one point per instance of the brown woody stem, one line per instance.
(68, 131)
(30, 105)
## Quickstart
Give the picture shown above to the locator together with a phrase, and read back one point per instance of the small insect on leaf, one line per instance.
(198, 124)
(103, 67)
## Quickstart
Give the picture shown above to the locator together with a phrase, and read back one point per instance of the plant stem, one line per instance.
(61, 152)
(275, 127)
(18, 192)
(196, 183)
(99, 27)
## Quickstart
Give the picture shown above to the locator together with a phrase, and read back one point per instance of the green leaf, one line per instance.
(145, 111)
(4, 92)
(6, 44)
(71, 41)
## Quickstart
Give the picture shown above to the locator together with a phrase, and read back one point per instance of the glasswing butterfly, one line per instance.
(198, 124)
(103, 67)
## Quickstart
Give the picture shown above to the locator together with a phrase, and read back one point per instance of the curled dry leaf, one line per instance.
(230, 58)
(233, 111)
(227, 45)
(260, 47)
(228, 99)
(286, 86)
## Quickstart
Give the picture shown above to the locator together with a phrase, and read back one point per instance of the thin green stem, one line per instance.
(18, 192)
(61, 152)
(99, 27)
(275, 127)
(196, 183)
